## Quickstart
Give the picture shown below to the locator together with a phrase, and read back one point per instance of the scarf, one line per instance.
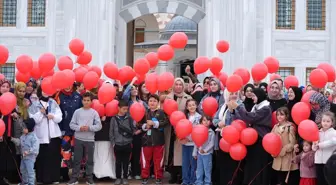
(324, 105)
(22, 106)
(217, 93)
(260, 105)
(248, 102)
(178, 95)
(280, 95)
(298, 96)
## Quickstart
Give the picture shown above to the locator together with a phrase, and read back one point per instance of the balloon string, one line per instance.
(235, 174)
(260, 172)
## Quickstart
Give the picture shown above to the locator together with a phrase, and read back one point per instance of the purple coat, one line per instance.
(307, 166)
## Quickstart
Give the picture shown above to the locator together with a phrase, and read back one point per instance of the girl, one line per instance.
(188, 162)
(286, 130)
(325, 146)
(307, 167)
(203, 155)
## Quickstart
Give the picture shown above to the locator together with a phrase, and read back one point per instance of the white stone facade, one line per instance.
(249, 26)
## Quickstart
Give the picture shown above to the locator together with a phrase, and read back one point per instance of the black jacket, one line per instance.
(103, 134)
(155, 135)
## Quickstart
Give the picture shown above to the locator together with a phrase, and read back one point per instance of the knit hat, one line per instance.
(30, 124)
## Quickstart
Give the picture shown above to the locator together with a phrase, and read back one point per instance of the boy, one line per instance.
(153, 140)
(29, 149)
(85, 122)
(121, 136)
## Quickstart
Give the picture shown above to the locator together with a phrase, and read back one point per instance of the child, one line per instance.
(282, 163)
(85, 122)
(325, 146)
(307, 166)
(188, 162)
(29, 149)
(121, 136)
(153, 140)
(203, 155)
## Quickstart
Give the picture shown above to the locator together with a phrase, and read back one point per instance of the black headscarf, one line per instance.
(260, 94)
(248, 102)
(298, 97)
(263, 84)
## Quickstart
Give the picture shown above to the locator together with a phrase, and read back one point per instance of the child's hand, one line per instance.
(50, 116)
(221, 124)
(25, 153)
(195, 157)
(202, 151)
(296, 148)
(103, 118)
(43, 111)
(137, 132)
(84, 128)
(183, 141)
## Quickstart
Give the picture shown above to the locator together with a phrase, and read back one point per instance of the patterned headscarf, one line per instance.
(22, 105)
(324, 105)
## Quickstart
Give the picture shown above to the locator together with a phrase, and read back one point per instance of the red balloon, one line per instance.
(137, 111)
(291, 81)
(140, 79)
(224, 145)
(176, 116)
(22, 77)
(96, 105)
(178, 40)
(151, 82)
(106, 93)
(35, 72)
(7, 103)
(216, 65)
(90, 80)
(2, 76)
(84, 58)
(141, 66)
(126, 74)
(272, 144)
(300, 112)
(24, 63)
(170, 106)
(248, 136)
(4, 54)
(2, 127)
(80, 73)
(76, 46)
(49, 73)
(47, 86)
(274, 119)
(96, 69)
(152, 58)
(306, 97)
(222, 46)
(210, 106)
(85, 66)
(58, 80)
(199, 134)
(111, 108)
(272, 64)
(64, 62)
(201, 64)
(46, 62)
(69, 78)
(329, 69)
(165, 81)
(318, 78)
(259, 71)
(230, 134)
(165, 52)
(183, 128)
(111, 70)
(238, 151)
(222, 78)
(308, 130)
(234, 83)
(274, 77)
(244, 74)
(240, 125)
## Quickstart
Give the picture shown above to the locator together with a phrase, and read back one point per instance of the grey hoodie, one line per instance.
(118, 137)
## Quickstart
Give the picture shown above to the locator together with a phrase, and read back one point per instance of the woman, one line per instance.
(275, 95)
(224, 116)
(173, 147)
(31, 87)
(263, 85)
(321, 104)
(8, 165)
(215, 92)
(294, 96)
(257, 169)
(248, 102)
(143, 92)
(47, 115)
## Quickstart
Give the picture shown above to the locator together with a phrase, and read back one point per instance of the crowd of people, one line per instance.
(48, 135)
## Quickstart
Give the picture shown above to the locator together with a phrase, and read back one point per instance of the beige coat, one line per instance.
(283, 162)
(167, 131)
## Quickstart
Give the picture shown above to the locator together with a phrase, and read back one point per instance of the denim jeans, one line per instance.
(188, 165)
(27, 171)
(204, 168)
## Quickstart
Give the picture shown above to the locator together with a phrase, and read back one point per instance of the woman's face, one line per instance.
(144, 90)
(233, 96)
(263, 88)
(206, 84)
(291, 94)
(327, 93)
(178, 88)
(4, 88)
(254, 98)
(309, 88)
(248, 92)
(315, 105)
(213, 86)
(134, 91)
(29, 88)
(275, 90)
(21, 92)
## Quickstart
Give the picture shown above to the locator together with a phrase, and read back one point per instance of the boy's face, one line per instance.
(123, 110)
(87, 102)
(25, 131)
(153, 103)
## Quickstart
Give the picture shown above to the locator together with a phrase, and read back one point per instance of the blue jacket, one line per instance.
(68, 105)
(29, 143)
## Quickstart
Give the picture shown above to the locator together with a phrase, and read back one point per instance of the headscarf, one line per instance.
(214, 94)
(280, 96)
(297, 98)
(178, 95)
(33, 81)
(248, 102)
(324, 105)
(260, 94)
(263, 84)
(21, 102)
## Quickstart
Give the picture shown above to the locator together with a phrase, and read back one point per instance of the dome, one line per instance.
(180, 23)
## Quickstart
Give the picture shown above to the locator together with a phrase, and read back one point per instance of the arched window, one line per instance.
(36, 13)
(285, 14)
(316, 13)
(139, 34)
(8, 13)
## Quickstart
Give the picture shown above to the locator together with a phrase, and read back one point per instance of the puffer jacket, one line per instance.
(155, 135)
